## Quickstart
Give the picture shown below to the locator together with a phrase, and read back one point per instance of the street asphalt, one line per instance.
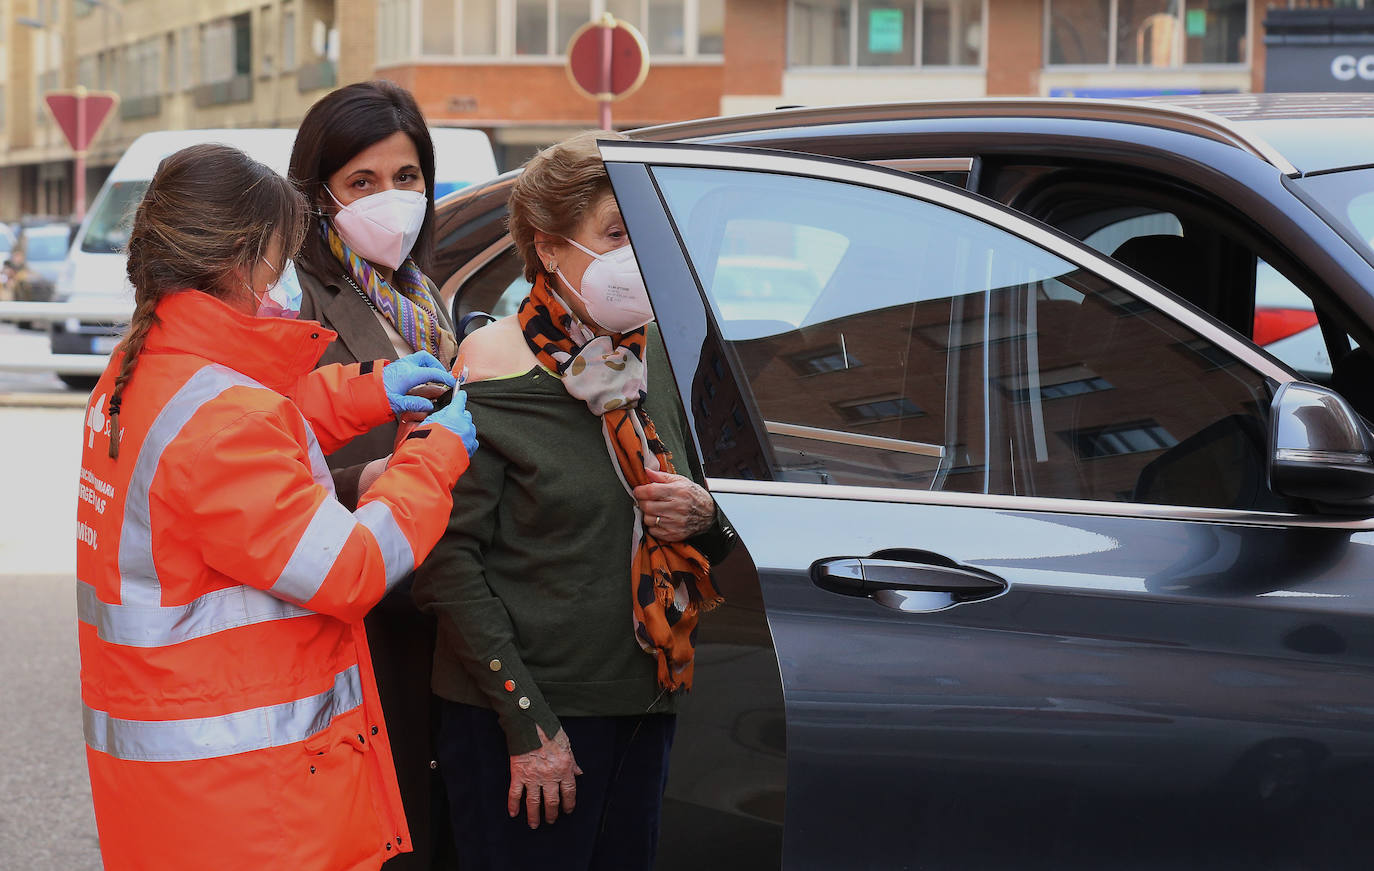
(46, 821)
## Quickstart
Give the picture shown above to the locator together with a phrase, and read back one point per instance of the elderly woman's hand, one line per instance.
(674, 507)
(545, 778)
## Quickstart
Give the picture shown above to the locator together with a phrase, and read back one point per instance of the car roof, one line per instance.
(1296, 133)
(271, 146)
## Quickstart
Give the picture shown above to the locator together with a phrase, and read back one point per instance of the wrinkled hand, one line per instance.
(674, 507)
(545, 775)
(456, 418)
(399, 377)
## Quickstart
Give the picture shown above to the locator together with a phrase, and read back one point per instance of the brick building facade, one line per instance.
(498, 64)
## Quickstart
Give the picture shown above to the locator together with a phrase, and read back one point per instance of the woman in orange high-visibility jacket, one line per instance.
(231, 716)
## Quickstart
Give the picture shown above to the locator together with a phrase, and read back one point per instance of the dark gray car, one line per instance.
(1051, 566)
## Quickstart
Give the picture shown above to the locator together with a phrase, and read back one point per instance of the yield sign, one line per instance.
(80, 114)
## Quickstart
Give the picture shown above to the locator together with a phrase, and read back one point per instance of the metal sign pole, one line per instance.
(79, 169)
(607, 60)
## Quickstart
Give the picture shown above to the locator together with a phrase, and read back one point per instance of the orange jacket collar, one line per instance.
(275, 352)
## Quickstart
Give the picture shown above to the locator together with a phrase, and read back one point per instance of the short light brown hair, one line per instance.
(558, 187)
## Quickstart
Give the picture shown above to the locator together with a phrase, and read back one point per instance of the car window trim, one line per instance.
(978, 207)
(925, 164)
(1060, 244)
(1037, 504)
(858, 440)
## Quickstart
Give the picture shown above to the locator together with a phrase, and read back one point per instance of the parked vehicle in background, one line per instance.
(7, 239)
(40, 250)
(1056, 556)
(95, 271)
(8, 268)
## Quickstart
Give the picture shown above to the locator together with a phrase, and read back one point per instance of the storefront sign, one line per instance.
(1196, 23)
(1320, 68)
(884, 31)
(1311, 50)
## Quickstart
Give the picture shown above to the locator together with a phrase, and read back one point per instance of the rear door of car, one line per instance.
(1033, 602)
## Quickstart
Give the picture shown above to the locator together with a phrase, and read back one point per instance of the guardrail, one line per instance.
(48, 312)
(112, 312)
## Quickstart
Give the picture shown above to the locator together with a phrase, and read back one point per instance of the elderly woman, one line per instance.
(577, 558)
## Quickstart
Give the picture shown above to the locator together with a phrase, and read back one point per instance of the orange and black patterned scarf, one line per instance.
(670, 581)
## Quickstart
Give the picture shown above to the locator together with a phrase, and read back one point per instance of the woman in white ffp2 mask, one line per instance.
(583, 508)
(364, 159)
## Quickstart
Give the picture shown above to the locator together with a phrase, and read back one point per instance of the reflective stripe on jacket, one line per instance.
(231, 716)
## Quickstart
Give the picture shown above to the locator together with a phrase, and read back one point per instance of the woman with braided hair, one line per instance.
(577, 558)
(230, 712)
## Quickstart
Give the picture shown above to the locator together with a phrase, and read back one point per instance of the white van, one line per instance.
(94, 271)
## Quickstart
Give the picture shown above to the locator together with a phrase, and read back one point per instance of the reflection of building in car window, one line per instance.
(879, 408)
(833, 358)
(1121, 439)
(1055, 384)
(764, 288)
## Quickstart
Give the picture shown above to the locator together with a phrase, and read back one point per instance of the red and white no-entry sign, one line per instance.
(608, 60)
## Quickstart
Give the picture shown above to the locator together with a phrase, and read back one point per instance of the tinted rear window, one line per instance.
(108, 231)
(47, 246)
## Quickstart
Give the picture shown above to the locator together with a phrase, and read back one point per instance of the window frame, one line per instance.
(1180, 47)
(918, 48)
(505, 43)
(631, 164)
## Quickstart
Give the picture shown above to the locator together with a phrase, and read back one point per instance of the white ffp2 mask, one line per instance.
(612, 290)
(381, 227)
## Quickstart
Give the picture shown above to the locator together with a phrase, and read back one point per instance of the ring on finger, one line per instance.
(657, 518)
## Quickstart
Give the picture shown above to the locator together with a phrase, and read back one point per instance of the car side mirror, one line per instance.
(1319, 448)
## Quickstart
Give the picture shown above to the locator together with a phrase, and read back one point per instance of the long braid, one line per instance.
(144, 319)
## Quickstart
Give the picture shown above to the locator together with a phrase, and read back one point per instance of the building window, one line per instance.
(1146, 33)
(169, 51)
(393, 31)
(142, 68)
(437, 35)
(243, 44)
(538, 29)
(216, 52)
(186, 58)
(288, 38)
(45, 82)
(266, 38)
(1055, 384)
(895, 33)
(87, 72)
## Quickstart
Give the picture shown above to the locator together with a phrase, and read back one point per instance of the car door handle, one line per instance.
(864, 576)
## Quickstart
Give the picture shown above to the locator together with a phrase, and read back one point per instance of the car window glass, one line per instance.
(1360, 211)
(921, 348)
(1349, 198)
(496, 288)
(509, 301)
(1111, 237)
(112, 217)
(1209, 269)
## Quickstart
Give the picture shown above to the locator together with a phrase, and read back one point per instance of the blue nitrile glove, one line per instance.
(456, 418)
(399, 377)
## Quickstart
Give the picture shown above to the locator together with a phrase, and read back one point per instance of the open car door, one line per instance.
(1033, 600)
